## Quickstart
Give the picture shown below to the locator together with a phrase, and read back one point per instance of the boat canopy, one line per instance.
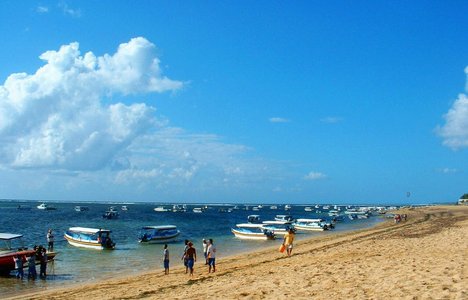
(87, 230)
(160, 227)
(249, 225)
(309, 220)
(9, 236)
(276, 222)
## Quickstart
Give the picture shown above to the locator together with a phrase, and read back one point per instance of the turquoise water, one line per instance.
(76, 265)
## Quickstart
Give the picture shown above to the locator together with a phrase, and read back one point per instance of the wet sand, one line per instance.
(422, 258)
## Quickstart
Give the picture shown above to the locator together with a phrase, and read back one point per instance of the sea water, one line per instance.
(79, 265)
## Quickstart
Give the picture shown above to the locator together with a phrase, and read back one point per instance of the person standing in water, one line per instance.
(50, 241)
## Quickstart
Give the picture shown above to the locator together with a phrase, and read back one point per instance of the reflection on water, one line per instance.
(76, 265)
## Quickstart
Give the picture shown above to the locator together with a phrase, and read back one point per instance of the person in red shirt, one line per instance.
(191, 255)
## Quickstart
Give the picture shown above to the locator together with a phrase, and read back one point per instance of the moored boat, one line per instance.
(111, 213)
(45, 206)
(253, 219)
(160, 209)
(278, 227)
(252, 232)
(81, 208)
(11, 245)
(158, 234)
(89, 238)
(284, 218)
(310, 225)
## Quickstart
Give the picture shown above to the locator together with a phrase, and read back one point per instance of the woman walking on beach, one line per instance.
(191, 254)
(166, 260)
(288, 241)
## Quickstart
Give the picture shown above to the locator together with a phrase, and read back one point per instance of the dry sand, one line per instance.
(422, 258)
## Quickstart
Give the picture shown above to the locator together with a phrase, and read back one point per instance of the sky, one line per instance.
(347, 102)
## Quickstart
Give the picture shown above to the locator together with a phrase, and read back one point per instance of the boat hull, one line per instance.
(251, 235)
(309, 228)
(85, 243)
(7, 263)
(160, 240)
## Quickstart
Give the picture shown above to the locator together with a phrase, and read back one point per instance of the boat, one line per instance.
(158, 234)
(333, 213)
(287, 207)
(278, 227)
(310, 225)
(253, 219)
(111, 213)
(160, 209)
(179, 208)
(252, 232)
(10, 246)
(255, 208)
(273, 207)
(308, 208)
(197, 210)
(284, 218)
(89, 238)
(81, 208)
(124, 208)
(45, 206)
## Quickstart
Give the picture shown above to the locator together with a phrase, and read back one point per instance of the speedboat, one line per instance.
(287, 207)
(160, 209)
(158, 234)
(284, 218)
(310, 225)
(45, 206)
(273, 207)
(124, 207)
(111, 213)
(333, 213)
(81, 208)
(10, 246)
(89, 238)
(252, 232)
(197, 210)
(308, 208)
(178, 208)
(253, 219)
(278, 227)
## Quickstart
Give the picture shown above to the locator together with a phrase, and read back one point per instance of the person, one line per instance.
(18, 266)
(211, 254)
(205, 247)
(43, 260)
(288, 241)
(166, 260)
(184, 256)
(404, 216)
(32, 266)
(191, 254)
(50, 240)
(397, 218)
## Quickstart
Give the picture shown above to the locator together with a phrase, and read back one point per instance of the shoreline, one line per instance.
(320, 260)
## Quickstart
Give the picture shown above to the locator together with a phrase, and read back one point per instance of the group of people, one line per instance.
(40, 255)
(398, 218)
(189, 256)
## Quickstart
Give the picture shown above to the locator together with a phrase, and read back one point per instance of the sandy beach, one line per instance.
(422, 258)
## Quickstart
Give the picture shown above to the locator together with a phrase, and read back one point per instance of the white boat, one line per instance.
(273, 207)
(284, 218)
(81, 208)
(278, 227)
(89, 238)
(45, 206)
(111, 213)
(179, 208)
(333, 213)
(124, 207)
(160, 209)
(255, 208)
(310, 225)
(252, 232)
(308, 208)
(158, 234)
(197, 210)
(253, 219)
(287, 207)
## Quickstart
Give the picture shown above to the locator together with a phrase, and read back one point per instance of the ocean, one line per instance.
(79, 265)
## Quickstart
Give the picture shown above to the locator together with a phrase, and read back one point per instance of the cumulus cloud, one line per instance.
(455, 130)
(42, 9)
(76, 13)
(315, 176)
(55, 118)
(448, 170)
(278, 120)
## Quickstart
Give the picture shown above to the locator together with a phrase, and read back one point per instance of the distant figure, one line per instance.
(205, 247)
(288, 241)
(404, 216)
(184, 256)
(191, 254)
(166, 260)
(397, 218)
(18, 266)
(50, 241)
(211, 254)
(43, 260)
(32, 267)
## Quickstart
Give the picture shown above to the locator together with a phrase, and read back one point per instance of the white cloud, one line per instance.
(448, 170)
(42, 9)
(455, 130)
(76, 13)
(331, 120)
(315, 176)
(278, 120)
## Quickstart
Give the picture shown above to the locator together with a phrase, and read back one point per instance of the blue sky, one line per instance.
(234, 101)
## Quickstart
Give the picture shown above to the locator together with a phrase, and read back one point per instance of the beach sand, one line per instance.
(422, 258)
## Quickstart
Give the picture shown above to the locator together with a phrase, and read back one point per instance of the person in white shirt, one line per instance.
(211, 254)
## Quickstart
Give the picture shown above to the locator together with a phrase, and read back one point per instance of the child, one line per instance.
(18, 266)
(166, 260)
